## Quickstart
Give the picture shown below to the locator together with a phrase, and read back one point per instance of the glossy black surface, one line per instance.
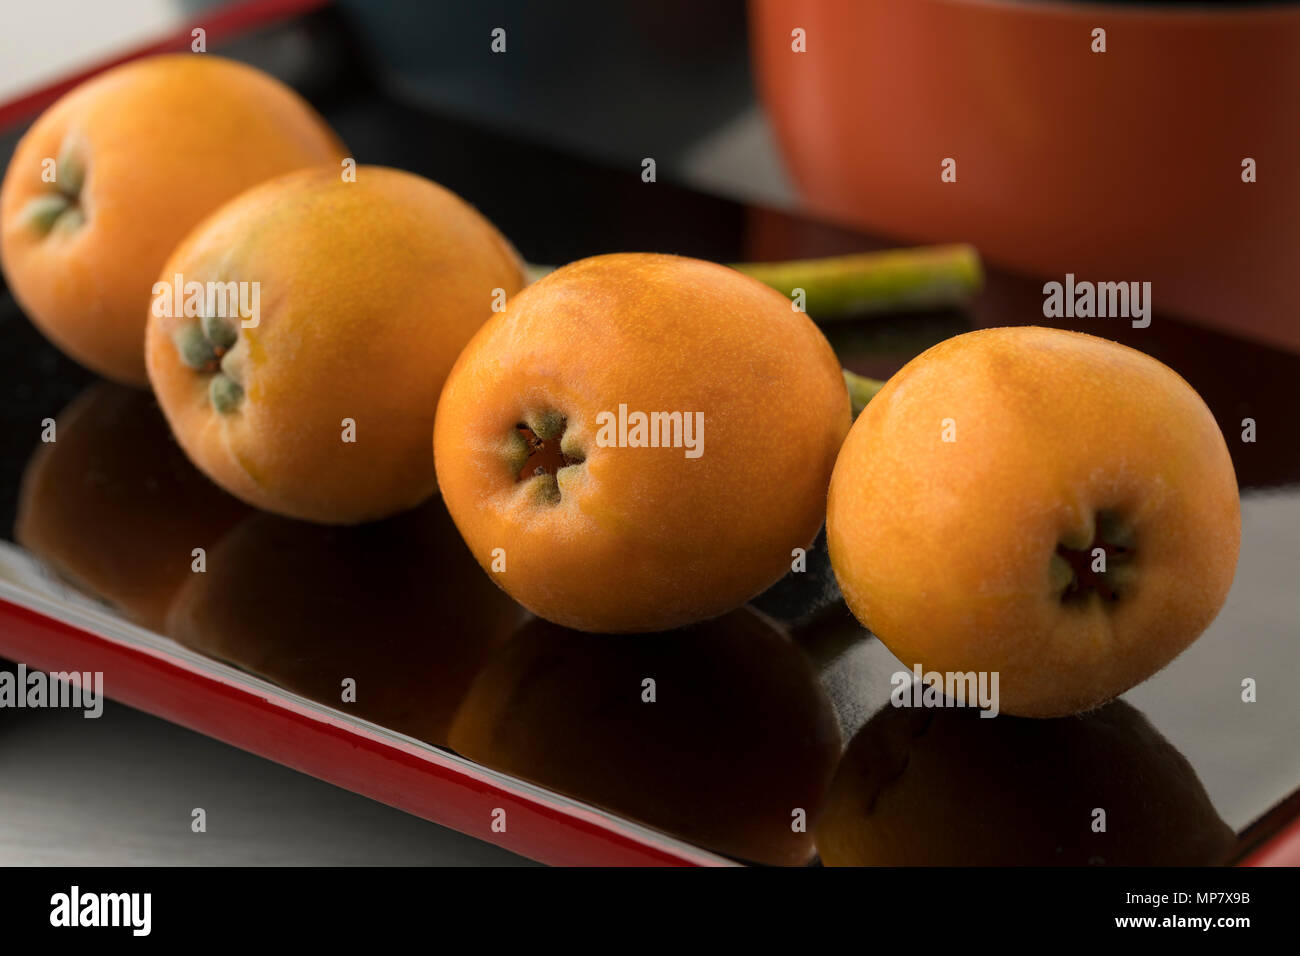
(754, 709)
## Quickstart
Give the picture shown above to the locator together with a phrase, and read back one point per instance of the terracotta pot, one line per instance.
(1122, 165)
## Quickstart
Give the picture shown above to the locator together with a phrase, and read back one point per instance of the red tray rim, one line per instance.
(153, 674)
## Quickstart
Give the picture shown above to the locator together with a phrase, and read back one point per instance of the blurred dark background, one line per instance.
(616, 82)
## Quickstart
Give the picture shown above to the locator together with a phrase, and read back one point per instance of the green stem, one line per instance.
(534, 272)
(861, 390)
(893, 280)
(840, 286)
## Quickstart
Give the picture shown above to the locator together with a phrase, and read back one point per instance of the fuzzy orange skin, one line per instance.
(644, 538)
(738, 736)
(398, 606)
(943, 549)
(369, 290)
(164, 141)
(949, 788)
(114, 507)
